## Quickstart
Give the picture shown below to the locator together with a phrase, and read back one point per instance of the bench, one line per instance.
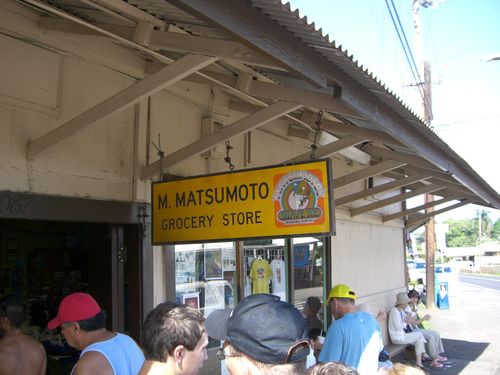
(392, 349)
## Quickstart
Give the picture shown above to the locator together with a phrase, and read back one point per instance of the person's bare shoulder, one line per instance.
(93, 363)
(8, 361)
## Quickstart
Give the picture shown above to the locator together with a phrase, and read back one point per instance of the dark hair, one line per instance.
(313, 304)
(314, 333)
(93, 324)
(413, 293)
(169, 325)
(12, 307)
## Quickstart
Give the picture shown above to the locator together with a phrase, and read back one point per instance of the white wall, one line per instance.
(369, 257)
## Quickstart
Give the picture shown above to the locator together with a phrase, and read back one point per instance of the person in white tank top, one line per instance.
(104, 352)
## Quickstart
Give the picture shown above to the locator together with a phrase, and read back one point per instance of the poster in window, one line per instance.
(214, 296)
(229, 259)
(191, 299)
(213, 264)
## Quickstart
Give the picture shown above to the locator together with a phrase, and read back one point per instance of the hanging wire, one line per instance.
(317, 132)
(227, 159)
(161, 155)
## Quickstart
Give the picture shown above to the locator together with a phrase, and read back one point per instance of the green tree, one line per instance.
(495, 232)
(462, 233)
(483, 221)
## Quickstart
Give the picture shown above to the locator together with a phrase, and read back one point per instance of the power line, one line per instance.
(465, 122)
(408, 54)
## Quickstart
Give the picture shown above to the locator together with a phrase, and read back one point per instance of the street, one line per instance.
(486, 281)
(470, 328)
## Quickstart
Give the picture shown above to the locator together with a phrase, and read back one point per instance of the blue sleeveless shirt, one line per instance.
(122, 352)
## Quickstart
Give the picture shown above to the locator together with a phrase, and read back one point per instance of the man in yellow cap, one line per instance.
(354, 337)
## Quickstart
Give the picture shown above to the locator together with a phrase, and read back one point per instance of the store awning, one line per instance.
(274, 65)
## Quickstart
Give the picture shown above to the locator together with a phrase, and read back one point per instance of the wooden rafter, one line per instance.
(371, 171)
(422, 217)
(160, 40)
(327, 150)
(169, 75)
(395, 199)
(418, 208)
(241, 126)
(379, 189)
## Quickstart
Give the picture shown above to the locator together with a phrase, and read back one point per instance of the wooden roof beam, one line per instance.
(327, 150)
(418, 208)
(371, 171)
(159, 40)
(420, 218)
(395, 199)
(133, 94)
(241, 126)
(379, 189)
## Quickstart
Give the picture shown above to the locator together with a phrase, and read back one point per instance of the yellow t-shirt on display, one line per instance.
(260, 273)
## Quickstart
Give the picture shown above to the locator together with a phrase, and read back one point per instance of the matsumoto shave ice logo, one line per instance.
(297, 194)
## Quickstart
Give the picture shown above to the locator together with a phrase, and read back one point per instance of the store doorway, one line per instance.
(45, 260)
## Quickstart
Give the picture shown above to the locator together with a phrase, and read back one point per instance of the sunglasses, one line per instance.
(221, 355)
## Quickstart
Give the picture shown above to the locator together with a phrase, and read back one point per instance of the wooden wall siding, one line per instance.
(369, 258)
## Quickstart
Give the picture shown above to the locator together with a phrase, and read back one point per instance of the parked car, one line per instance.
(442, 272)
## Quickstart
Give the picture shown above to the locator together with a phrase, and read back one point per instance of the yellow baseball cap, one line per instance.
(341, 291)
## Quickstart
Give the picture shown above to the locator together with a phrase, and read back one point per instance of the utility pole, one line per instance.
(424, 73)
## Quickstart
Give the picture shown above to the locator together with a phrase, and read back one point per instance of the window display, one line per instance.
(264, 267)
(205, 275)
(309, 269)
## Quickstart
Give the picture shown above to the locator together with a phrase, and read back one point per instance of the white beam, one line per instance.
(371, 171)
(169, 75)
(418, 208)
(395, 199)
(419, 218)
(327, 150)
(379, 189)
(168, 41)
(241, 126)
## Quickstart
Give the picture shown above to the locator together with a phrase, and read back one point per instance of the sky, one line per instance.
(457, 38)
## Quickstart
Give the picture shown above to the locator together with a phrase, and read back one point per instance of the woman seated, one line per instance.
(311, 310)
(419, 321)
(400, 332)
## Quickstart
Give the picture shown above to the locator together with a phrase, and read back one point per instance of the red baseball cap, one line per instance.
(75, 307)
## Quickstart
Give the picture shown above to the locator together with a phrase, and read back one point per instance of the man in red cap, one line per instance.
(104, 352)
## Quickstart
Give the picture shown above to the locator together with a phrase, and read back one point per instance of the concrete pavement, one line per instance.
(470, 330)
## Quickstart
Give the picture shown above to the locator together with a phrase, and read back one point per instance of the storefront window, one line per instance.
(308, 254)
(264, 267)
(205, 275)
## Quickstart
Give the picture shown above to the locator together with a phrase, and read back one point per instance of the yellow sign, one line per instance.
(276, 201)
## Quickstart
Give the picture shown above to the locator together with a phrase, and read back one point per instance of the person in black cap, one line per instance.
(262, 335)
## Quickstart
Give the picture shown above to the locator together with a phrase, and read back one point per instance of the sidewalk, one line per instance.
(470, 330)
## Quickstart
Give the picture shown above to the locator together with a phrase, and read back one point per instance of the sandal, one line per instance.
(440, 358)
(435, 363)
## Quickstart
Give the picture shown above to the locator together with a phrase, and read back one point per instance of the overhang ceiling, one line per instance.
(275, 65)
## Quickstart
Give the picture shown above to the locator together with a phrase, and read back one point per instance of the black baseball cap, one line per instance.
(264, 328)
